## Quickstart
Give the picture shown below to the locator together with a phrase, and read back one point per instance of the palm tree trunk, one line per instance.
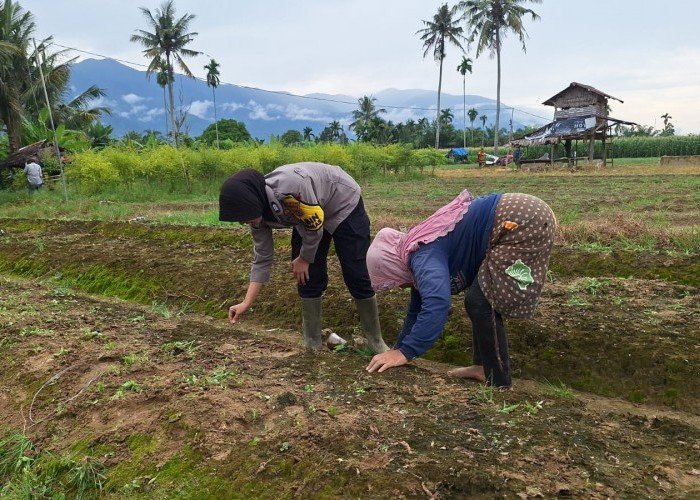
(464, 104)
(437, 120)
(172, 99)
(216, 121)
(498, 92)
(165, 108)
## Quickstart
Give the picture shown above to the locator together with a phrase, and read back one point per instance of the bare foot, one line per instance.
(474, 372)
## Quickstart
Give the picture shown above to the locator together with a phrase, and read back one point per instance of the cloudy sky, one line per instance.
(645, 52)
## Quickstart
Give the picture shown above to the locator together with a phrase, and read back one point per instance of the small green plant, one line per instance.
(90, 334)
(332, 411)
(558, 390)
(29, 331)
(161, 309)
(254, 442)
(138, 319)
(508, 408)
(340, 348)
(86, 476)
(576, 301)
(309, 388)
(594, 286)
(61, 352)
(177, 347)
(128, 360)
(284, 446)
(220, 376)
(484, 394)
(533, 408)
(128, 386)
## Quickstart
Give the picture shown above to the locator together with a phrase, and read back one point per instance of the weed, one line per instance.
(128, 360)
(128, 386)
(594, 286)
(558, 390)
(484, 394)
(309, 388)
(17, 453)
(332, 411)
(576, 301)
(28, 331)
(138, 319)
(533, 409)
(161, 309)
(254, 442)
(61, 352)
(179, 347)
(90, 334)
(284, 446)
(508, 408)
(86, 476)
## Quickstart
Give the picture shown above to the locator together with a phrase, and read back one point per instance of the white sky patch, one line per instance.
(200, 109)
(151, 114)
(132, 99)
(232, 106)
(294, 112)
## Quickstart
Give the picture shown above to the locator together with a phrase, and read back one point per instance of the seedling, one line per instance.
(284, 446)
(309, 388)
(254, 441)
(128, 386)
(558, 390)
(332, 411)
(506, 408)
(179, 347)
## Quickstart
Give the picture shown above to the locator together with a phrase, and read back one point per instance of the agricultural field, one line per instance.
(121, 375)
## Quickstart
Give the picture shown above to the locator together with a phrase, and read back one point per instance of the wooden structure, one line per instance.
(580, 113)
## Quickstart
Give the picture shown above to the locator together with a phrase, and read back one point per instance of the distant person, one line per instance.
(517, 155)
(320, 203)
(496, 248)
(481, 157)
(34, 174)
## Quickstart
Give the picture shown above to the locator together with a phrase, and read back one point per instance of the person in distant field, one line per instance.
(495, 248)
(34, 174)
(480, 157)
(517, 155)
(320, 203)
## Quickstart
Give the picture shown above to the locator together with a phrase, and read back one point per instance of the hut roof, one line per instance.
(550, 101)
(21, 156)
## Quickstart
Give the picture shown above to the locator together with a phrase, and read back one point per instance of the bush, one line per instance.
(178, 168)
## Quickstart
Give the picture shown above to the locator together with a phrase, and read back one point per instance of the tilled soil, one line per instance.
(186, 405)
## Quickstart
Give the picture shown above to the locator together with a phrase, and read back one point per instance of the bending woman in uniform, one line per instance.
(496, 248)
(320, 203)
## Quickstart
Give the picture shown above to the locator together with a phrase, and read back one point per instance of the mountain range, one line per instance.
(137, 103)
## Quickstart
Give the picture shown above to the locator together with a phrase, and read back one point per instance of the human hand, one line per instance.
(300, 269)
(235, 312)
(386, 360)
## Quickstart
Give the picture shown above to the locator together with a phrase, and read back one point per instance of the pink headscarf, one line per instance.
(387, 257)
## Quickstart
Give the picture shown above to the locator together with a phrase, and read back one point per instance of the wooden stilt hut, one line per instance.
(580, 113)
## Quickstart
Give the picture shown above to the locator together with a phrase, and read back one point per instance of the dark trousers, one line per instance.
(489, 337)
(351, 239)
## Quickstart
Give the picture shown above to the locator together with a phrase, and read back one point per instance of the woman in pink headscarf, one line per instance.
(496, 247)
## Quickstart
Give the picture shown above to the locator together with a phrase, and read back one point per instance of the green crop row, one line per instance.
(92, 170)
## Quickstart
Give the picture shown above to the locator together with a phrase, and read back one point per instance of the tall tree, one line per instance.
(442, 29)
(167, 42)
(162, 78)
(308, 133)
(446, 116)
(213, 82)
(16, 29)
(364, 116)
(464, 67)
(483, 119)
(472, 113)
(488, 22)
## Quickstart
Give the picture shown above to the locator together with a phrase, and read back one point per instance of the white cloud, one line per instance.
(132, 98)
(232, 106)
(200, 108)
(151, 114)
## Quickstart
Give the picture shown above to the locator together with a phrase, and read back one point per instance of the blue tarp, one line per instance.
(459, 151)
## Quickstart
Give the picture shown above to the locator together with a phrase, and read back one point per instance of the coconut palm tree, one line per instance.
(335, 129)
(472, 114)
(488, 22)
(308, 133)
(446, 116)
(364, 115)
(483, 119)
(213, 82)
(167, 41)
(16, 29)
(442, 29)
(162, 78)
(464, 67)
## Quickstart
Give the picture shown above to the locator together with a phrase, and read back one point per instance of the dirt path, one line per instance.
(185, 405)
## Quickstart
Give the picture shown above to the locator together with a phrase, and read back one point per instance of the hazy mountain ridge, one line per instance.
(137, 103)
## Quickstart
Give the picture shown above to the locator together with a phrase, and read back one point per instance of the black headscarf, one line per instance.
(243, 197)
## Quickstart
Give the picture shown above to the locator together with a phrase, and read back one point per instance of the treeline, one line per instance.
(178, 169)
